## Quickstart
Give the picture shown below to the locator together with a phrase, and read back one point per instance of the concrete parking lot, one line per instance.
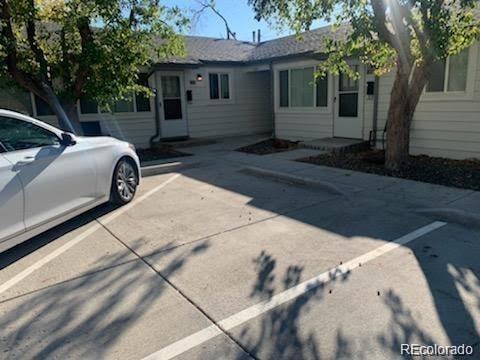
(212, 263)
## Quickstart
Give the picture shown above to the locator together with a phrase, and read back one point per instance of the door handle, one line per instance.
(25, 161)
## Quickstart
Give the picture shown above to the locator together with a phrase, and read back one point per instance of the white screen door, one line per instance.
(349, 107)
(172, 105)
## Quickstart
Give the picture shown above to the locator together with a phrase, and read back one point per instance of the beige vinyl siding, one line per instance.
(446, 127)
(248, 110)
(136, 128)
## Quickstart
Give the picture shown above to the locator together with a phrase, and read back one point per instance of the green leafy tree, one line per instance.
(64, 50)
(408, 35)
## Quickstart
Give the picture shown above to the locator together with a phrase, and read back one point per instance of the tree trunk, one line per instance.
(66, 112)
(71, 111)
(406, 93)
(398, 125)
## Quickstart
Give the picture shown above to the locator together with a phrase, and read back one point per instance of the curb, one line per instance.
(292, 179)
(453, 215)
(152, 170)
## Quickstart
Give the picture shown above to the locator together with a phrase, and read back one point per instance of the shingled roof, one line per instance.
(203, 50)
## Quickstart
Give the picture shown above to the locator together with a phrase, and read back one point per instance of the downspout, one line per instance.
(375, 111)
(158, 132)
(272, 98)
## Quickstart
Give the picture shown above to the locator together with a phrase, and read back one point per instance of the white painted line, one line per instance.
(29, 270)
(243, 316)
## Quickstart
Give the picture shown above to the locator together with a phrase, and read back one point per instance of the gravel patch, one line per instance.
(269, 146)
(463, 174)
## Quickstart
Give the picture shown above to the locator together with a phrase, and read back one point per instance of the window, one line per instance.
(284, 88)
(219, 86)
(322, 92)
(123, 106)
(172, 99)
(88, 106)
(20, 135)
(298, 88)
(449, 75)
(348, 95)
(142, 101)
(42, 108)
(301, 90)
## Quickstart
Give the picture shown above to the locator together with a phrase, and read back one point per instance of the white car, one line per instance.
(48, 176)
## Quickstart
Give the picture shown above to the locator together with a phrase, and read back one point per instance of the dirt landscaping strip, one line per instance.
(455, 173)
(270, 146)
(159, 152)
(292, 179)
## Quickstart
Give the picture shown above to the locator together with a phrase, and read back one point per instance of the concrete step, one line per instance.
(336, 145)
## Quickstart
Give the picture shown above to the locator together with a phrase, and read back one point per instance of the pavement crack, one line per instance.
(179, 291)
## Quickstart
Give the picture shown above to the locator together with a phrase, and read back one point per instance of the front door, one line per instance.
(348, 122)
(172, 104)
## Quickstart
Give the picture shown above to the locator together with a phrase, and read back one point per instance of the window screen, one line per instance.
(122, 106)
(301, 91)
(322, 92)
(213, 80)
(436, 81)
(283, 75)
(457, 75)
(42, 107)
(142, 101)
(224, 86)
(88, 106)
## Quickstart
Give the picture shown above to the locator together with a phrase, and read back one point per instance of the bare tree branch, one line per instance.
(211, 6)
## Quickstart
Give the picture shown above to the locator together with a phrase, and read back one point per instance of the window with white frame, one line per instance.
(449, 75)
(298, 88)
(219, 84)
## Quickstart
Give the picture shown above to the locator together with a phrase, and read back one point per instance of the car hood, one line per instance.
(99, 140)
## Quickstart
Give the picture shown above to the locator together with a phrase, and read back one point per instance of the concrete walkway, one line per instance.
(441, 202)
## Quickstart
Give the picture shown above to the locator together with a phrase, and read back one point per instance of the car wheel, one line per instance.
(124, 183)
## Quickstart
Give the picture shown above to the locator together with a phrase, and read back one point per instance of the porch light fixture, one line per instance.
(199, 77)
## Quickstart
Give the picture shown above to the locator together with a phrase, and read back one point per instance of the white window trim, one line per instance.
(469, 93)
(300, 109)
(230, 86)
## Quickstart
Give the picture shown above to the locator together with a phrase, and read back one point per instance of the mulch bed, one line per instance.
(269, 146)
(457, 173)
(159, 152)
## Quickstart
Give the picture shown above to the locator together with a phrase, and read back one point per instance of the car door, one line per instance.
(11, 200)
(56, 179)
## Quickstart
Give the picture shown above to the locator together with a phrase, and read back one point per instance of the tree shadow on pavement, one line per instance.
(87, 316)
(282, 333)
(450, 265)
(21, 250)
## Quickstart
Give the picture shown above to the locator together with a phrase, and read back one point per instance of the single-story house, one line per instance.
(229, 87)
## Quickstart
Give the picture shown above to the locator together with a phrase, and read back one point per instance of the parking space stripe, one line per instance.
(29, 270)
(223, 326)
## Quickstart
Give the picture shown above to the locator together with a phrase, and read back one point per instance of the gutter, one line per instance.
(158, 132)
(272, 98)
(375, 111)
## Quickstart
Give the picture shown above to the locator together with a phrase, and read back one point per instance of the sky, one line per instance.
(240, 17)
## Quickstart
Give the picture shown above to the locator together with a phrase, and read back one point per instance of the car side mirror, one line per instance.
(68, 139)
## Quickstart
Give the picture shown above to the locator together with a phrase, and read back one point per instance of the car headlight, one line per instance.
(131, 146)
